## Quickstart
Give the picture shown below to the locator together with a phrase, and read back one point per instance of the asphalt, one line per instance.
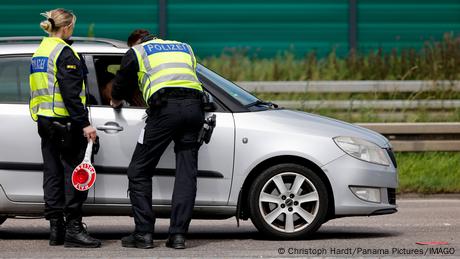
(396, 235)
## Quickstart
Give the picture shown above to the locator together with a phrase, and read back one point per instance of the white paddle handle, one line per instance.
(89, 151)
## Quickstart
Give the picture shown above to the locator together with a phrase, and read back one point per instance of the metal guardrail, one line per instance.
(374, 104)
(419, 136)
(403, 136)
(386, 86)
(347, 86)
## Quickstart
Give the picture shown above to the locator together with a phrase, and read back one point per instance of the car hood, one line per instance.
(312, 124)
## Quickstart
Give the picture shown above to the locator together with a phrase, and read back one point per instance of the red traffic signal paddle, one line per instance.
(84, 175)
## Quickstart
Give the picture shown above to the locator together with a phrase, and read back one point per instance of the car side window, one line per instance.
(14, 79)
(106, 68)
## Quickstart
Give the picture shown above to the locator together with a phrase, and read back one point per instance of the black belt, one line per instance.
(58, 119)
(179, 92)
(161, 97)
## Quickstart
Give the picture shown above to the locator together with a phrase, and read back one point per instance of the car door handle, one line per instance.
(110, 127)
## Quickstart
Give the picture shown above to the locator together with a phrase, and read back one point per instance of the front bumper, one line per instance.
(347, 171)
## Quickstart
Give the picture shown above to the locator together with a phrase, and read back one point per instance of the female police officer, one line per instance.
(57, 103)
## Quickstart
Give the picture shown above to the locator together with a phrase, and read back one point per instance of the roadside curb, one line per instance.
(428, 196)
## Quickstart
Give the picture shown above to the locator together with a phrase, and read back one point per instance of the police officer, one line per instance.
(57, 103)
(165, 73)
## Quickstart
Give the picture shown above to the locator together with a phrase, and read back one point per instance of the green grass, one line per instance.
(435, 61)
(429, 172)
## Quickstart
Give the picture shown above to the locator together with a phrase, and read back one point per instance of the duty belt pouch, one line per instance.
(207, 104)
(158, 99)
(63, 135)
(207, 129)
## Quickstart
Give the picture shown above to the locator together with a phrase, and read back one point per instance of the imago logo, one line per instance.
(83, 177)
(442, 251)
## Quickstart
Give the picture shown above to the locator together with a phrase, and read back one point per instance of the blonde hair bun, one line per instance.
(46, 26)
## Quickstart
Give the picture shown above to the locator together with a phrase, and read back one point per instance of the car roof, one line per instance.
(83, 45)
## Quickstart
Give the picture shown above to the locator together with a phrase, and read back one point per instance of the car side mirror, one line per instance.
(209, 104)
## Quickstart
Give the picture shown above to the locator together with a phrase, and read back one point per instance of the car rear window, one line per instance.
(14, 79)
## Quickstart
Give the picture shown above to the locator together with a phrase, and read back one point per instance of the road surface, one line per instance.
(418, 220)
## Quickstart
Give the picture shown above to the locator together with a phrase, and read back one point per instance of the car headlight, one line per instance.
(363, 150)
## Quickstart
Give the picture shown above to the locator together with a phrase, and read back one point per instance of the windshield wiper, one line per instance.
(260, 102)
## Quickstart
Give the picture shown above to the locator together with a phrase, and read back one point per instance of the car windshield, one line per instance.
(241, 95)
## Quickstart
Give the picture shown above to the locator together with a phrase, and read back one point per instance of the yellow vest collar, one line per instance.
(56, 39)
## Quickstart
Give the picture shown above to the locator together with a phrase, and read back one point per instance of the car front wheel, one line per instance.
(288, 201)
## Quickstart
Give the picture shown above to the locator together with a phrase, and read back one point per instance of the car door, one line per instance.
(21, 162)
(119, 131)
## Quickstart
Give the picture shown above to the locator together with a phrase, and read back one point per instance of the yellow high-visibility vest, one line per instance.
(45, 97)
(164, 63)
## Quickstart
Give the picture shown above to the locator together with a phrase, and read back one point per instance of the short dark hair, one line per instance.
(136, 35)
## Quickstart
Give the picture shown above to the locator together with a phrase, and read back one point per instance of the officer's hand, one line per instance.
(116, 104)
(90, 133)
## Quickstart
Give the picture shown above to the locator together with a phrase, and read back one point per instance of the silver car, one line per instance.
(288, 171)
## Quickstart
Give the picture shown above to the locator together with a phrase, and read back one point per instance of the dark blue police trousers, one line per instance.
(179, 120)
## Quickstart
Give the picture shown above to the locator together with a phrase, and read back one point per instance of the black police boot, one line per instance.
(176, 241)
(57, 231)
(76, 236)
(138, 240)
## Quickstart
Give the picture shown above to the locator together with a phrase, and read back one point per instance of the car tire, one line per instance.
(2, 219)
(288, 201)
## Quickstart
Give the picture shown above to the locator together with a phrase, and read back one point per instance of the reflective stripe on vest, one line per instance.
(165, 64)
(50, 91)
(45, 95)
